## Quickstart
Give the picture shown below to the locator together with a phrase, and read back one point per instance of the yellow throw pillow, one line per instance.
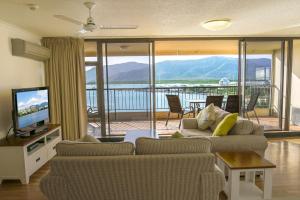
(225, 125)
(177, 135)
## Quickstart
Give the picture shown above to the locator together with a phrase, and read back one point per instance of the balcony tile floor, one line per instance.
(120, 128)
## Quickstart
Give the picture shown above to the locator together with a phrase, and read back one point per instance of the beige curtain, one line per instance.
(65, 76)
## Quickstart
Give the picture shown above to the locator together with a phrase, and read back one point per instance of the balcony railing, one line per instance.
(139, 99)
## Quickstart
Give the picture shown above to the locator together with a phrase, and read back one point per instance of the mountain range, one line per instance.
(210, 68)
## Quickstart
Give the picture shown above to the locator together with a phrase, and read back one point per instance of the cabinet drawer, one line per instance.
(36, 160)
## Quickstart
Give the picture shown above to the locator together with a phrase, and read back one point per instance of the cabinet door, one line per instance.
(51, 147)
(35, 160)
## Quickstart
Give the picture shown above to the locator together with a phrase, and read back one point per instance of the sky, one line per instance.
(28, 98)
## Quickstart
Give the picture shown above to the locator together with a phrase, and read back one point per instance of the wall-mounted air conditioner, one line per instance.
(29, 50)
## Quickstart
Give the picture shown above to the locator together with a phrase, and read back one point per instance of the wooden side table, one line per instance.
(250, 163)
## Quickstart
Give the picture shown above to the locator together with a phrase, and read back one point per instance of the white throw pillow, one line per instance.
(220, 115)
(206, 117)
(242, 127)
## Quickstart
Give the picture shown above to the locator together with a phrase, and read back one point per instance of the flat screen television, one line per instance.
(30, 108)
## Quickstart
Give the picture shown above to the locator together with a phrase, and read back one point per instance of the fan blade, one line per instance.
(119, 27)
(68, 19)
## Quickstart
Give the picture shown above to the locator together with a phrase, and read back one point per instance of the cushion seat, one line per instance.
(235, 143)
(196, 133)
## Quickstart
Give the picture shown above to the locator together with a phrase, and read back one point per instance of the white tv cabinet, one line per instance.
(21, 157)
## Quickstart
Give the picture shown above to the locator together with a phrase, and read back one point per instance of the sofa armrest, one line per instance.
(239, 143)
(54, 187)
(189, 123)
(258, 129)
(212, 183)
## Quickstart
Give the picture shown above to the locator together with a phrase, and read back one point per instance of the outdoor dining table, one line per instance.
(196, 103)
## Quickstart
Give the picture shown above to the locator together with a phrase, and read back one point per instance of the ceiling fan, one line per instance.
(90, 24)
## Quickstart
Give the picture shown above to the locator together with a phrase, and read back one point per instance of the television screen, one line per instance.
(31, 106)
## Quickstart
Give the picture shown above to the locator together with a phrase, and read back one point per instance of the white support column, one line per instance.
(233, 184)
(268, 183)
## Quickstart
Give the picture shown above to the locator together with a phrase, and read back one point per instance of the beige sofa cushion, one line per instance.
(189, 123)
(258, 129)
(172, 146)
(196, 132)
(206, 117)
(89, 138)
(220, 115)
(242, 127)
(68, 148)
(239, 143)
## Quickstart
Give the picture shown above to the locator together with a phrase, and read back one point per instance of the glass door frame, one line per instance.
(285, 83)
(102, 54)
(99, 70)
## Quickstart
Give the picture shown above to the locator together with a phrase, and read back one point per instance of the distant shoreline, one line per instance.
(203, 81)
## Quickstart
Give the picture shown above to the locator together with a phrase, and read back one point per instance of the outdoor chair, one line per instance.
(251, 106)
(175, 107)
(93, 115)
(232, 104)
(216, 100)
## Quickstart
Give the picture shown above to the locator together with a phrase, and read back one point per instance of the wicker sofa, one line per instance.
(160, 169)
(237, 140)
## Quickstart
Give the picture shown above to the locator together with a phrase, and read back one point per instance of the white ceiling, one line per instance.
(186, 47)
(159, 18)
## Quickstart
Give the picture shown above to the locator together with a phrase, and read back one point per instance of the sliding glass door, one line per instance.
(128, 87)
(121, 81)
(262, 67)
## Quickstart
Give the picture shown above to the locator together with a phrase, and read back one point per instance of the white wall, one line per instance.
(295, 93)
(15, 72)
(295, 97)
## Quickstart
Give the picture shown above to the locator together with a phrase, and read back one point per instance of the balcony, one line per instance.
(130, 108)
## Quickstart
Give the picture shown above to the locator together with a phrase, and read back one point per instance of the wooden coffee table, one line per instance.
(250, 163)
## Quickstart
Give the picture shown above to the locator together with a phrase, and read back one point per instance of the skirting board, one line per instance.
(282, 134)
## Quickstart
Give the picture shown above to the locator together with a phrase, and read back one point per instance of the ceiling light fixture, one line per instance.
(216, 24)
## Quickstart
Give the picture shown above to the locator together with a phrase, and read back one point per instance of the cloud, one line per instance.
(40, 97)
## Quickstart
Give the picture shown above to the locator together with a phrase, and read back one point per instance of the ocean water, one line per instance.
(27, 120)
(137, 97)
